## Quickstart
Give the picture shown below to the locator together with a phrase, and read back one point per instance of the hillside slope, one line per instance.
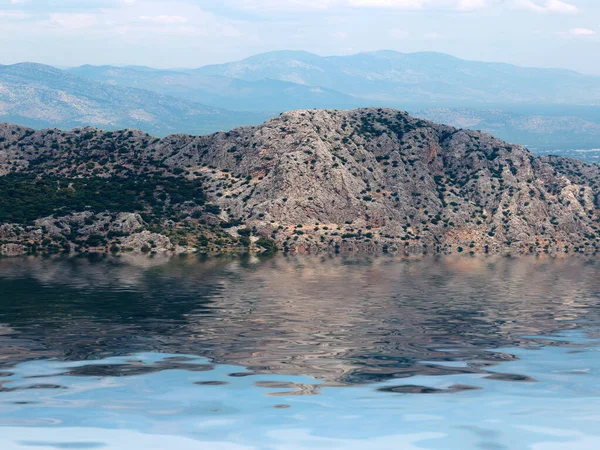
(43, 96)
(362, 180)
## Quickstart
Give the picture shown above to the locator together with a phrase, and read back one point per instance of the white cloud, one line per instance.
(547, 6)
(278, 5)
(395, 4)
(73, 21)
(316, 5)
(460, 5)
(164, 19)
(582, 32)
(471, 5)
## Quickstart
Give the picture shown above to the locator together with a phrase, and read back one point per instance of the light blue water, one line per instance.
(364, 375)
(208, 408)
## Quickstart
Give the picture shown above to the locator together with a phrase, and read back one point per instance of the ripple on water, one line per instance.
(300, 353)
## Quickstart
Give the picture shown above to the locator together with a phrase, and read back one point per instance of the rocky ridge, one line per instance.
(366, 180)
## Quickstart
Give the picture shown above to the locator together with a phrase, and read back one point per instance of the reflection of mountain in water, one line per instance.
(344, 321)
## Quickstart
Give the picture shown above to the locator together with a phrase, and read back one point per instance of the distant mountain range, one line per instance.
(574, 128)
(42, 96)
(293, 80)
(546, 109)
(257, 95)
(409, 79)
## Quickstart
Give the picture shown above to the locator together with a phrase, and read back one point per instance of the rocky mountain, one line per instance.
(306, 181)
(43, 96)
(540, 108)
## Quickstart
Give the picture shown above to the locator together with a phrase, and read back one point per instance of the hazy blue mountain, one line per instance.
(545, 109)
(421, 78)
(224, 92)
(43, 96)
(539, 131)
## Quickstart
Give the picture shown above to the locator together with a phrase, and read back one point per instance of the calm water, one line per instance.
(300, 353)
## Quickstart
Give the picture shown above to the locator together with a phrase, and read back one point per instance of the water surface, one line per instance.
(299, 353)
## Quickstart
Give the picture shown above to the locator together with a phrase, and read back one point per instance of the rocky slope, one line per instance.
(363, 180)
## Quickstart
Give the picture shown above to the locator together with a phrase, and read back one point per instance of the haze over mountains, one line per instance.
(42, 96)
(418, 78)
(546, 109)
(267, 94)
(559, 128)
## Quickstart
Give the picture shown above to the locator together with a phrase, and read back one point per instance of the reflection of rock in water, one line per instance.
(35, 386)
(211, 383)
(132, 368)
(339, 320)
(291, 388)
(410, 389)
(509, 377)
(374, 321)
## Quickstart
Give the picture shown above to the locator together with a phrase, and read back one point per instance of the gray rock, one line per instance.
(365, 180)
(146, 240)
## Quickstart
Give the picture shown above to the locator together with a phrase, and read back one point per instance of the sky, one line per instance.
(193, 33)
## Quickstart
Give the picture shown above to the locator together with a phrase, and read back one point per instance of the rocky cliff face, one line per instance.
(362, 180)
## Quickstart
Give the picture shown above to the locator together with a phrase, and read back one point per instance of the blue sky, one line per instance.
(191, 33)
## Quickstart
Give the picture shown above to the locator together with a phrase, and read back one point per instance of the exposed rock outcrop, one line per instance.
(362, 180)
(147, 242)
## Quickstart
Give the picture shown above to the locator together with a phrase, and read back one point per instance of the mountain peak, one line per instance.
(31, 66)
(371, 179)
